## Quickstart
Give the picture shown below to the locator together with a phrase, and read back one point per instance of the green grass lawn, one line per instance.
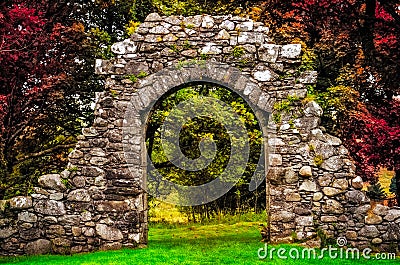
(189, 244)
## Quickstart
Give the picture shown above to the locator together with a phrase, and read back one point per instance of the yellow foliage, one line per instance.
(78, 27)
(385, 177)
(132, 27)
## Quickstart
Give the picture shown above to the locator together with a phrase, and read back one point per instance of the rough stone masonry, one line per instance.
(97, 202)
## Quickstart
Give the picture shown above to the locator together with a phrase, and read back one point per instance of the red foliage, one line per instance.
(363, 35)
(31, 70)
(374, 141)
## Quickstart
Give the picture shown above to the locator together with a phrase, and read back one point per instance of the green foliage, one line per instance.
(318, 160)
(238, 51)
(73, 169)
(185, 63)
(376, 192)
(283, 105)
(133, 78)
(196, 7)
(308, 60)
(142, 74)
(311, 147)
(203, 56)
(187, 45)
(174, 48)
(193, 132)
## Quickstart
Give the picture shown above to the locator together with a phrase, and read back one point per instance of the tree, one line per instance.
(354, 46)
(198, 129)
(42, 103)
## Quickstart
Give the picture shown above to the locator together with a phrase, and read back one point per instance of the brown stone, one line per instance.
(20, 202)
(38, 247)
(305, 171)
(112, 206)
(328, 191)
(333, 207)
(373, 219)
(293, 197)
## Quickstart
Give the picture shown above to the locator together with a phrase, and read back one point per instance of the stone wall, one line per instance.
(97, 203)
(315, 193)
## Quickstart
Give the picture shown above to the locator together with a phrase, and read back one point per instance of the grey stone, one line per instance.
(276, 175)
(173, 20)
(291, 51)
(325, 180)
(159, 30)
(80, 195)
(55, 230)
(283, 216)
(153, 17)
(108, 233)
(362, 210)
(369, 231)
(88, 231)
(78, 181)
(381, 210)
(170, 38)
(38, 247)
(190, 53)
(291, 176)
(223, 35)
(50, 207)
(210, 48)
(7, 232)
(333, 163)
(98, 161)
(75, 154)
(308, 77)
(329, 219)
(228, 25)
(313, 109)
(208, 22)
(20, 202)
(52, 181)
(269, 53)
(309, 185)
(356, 197)
(305, 221)
(245, 26)
(263, 76)
(332, 207)
(111, 246)
(153, 38)
(27, 217)
(392, 215)
(341, 184)
(56, 196)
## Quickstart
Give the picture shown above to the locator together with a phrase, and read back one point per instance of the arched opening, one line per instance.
(203, 125)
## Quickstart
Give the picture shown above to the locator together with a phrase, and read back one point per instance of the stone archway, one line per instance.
(312, 182)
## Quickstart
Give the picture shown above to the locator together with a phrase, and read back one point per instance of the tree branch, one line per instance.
(47, 151)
